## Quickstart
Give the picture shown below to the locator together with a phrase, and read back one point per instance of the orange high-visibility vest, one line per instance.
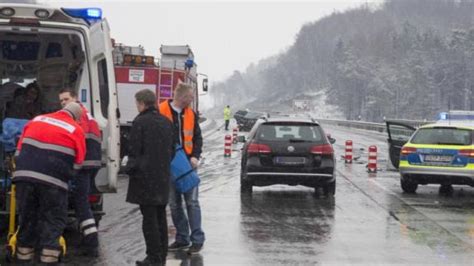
(188, 124)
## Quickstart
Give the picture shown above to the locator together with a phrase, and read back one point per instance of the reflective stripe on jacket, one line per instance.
(93, 140)
(51, 147)
(188, 124)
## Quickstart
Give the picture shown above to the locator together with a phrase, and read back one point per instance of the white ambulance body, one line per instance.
(58, 48)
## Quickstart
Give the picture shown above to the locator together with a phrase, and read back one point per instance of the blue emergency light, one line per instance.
(442, 116)
(88, 14)
(456, 115)
(189, 63)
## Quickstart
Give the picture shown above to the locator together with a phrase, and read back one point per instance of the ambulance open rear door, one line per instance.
(104, 104)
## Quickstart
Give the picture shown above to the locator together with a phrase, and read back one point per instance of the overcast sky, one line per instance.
(224, 35)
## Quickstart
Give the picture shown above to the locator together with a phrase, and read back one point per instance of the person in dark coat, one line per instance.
(151, 149)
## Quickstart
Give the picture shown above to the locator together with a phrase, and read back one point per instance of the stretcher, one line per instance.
(13, 228)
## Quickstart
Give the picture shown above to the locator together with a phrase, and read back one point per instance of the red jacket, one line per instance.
(93, 140)
(49, 150)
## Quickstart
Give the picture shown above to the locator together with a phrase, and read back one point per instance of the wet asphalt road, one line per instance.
(370, 220)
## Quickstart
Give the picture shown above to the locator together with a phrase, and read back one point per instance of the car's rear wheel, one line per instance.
(245, 187)
(408, 186)
(330, 189)
(245, 184)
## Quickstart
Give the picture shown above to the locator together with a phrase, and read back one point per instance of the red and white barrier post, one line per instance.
(227, 145)
(372, 166)
(234, 135)
(348, 154)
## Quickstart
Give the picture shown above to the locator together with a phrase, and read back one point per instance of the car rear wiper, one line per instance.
(448, 143)
(299, 140)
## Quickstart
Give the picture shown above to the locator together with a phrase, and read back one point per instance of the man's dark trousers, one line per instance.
(43, 214)
(81, 187)
(155, 231)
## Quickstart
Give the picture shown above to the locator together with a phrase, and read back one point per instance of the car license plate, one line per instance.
(438, 158)
(290, 160)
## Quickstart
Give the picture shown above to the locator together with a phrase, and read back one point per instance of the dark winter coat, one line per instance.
(151, 150)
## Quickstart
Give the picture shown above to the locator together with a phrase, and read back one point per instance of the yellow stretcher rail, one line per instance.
(13, 228)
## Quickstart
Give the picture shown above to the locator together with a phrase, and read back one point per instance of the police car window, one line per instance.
(398, 132)
(443, 136)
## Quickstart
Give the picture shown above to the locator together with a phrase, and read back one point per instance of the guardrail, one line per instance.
(379, 127)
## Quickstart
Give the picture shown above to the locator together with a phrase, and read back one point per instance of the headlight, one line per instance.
(7, 11)
(42, 13)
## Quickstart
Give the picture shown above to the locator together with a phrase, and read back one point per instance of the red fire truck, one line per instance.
(135, 71)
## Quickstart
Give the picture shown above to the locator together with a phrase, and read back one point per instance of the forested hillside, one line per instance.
(404, 59)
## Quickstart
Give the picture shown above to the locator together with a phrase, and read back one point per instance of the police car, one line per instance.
(440, 153)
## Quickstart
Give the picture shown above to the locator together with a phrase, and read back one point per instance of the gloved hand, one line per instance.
(131, 167)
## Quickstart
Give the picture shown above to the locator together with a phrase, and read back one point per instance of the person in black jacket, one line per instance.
(151, 149)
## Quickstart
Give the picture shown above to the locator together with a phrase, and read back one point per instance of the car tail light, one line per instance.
(325, 149)
(258, 148)
(467, 152)
(94, 198)
(408, 150)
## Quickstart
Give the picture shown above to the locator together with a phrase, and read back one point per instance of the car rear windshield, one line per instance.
(252, 115)
(443, 136)
(240, 112)
(291, 132)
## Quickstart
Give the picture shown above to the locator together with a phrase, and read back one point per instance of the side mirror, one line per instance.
(240, 138)
(204, 85)
(331, 139)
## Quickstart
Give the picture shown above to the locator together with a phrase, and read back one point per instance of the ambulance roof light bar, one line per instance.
(90, 14)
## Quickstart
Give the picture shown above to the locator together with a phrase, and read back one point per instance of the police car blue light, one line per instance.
(457, 115)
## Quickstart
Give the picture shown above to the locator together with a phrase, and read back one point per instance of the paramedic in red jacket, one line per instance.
(49, 151)
(81, 186)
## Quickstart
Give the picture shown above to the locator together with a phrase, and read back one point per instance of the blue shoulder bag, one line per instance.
(183, 175)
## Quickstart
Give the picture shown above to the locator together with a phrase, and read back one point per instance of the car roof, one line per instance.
(290, 119)
(465, 124)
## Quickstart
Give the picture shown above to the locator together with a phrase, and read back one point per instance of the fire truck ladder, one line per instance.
(166, 76)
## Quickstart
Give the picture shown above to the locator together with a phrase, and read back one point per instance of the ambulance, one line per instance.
(57, 48)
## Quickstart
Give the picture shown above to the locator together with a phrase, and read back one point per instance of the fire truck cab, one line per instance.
(136, 71)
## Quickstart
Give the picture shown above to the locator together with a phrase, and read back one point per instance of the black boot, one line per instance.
(148, 261)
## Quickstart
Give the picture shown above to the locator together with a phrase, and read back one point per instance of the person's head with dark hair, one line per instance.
(145, 99)
(26, 103)
(67, 95)
(32, 93)
(18, 92)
